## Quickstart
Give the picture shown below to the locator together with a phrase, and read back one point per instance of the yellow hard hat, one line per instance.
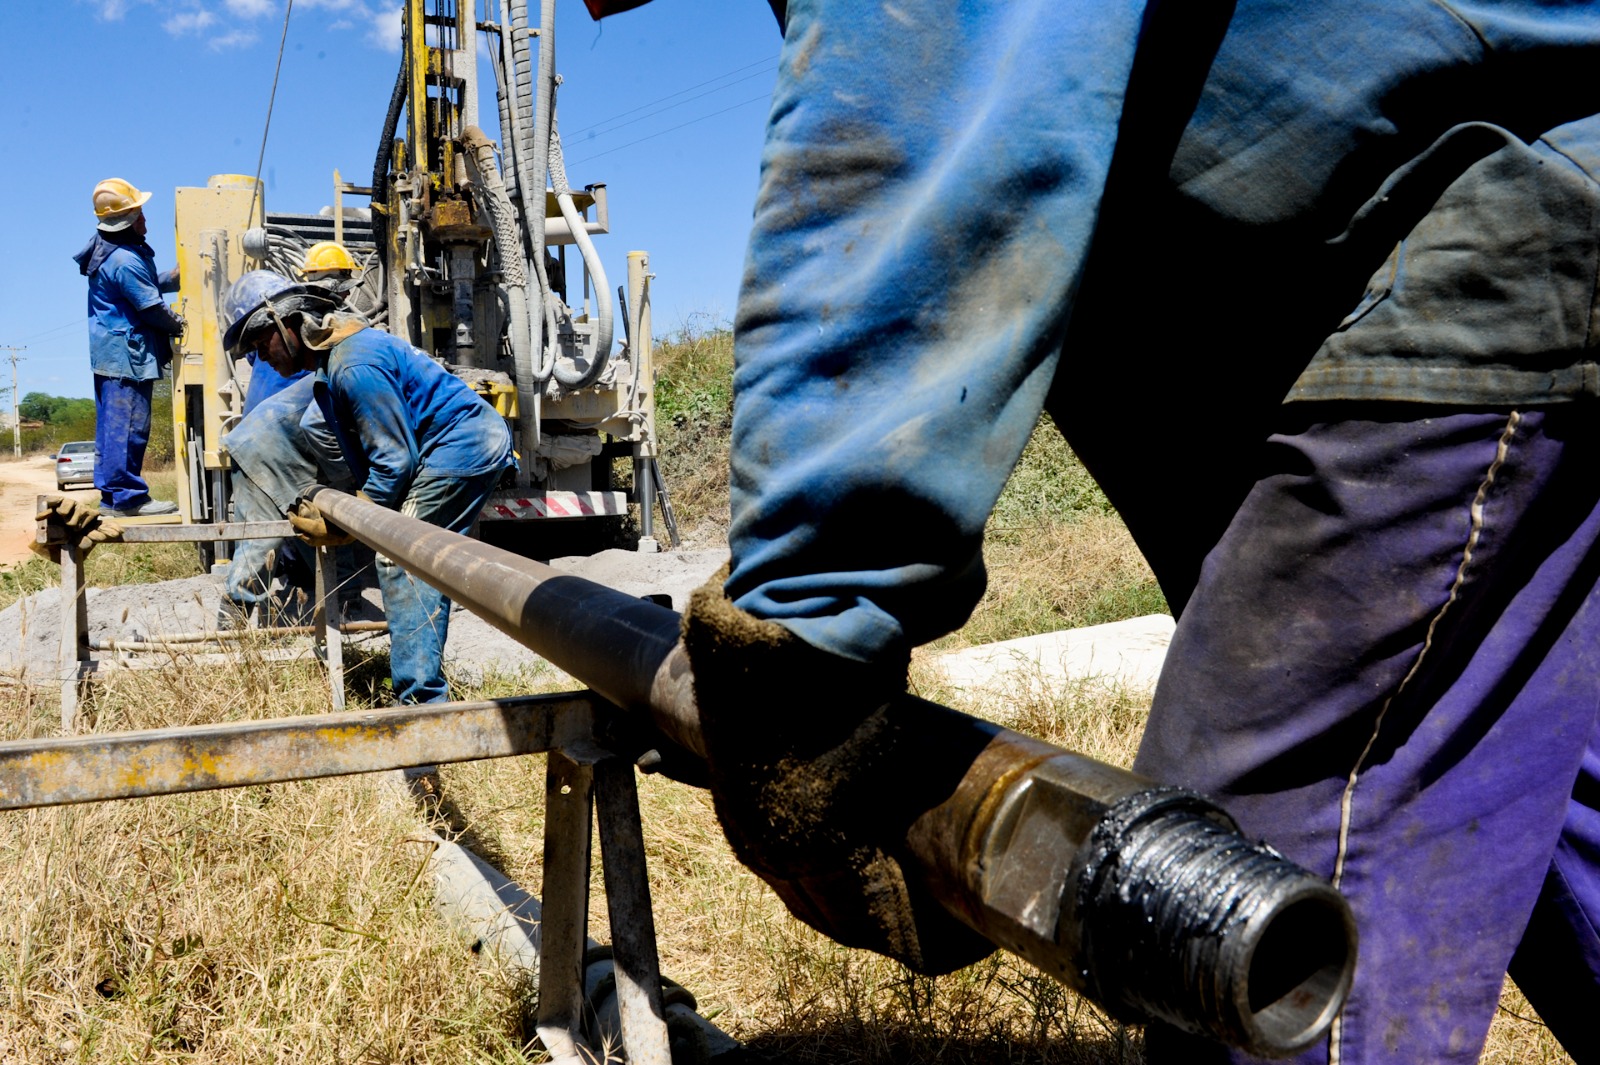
(113, 196)
(327, 255)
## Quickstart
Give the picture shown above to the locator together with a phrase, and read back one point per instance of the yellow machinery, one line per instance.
(461, 258)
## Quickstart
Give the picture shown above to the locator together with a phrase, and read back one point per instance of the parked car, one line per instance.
(75, 463)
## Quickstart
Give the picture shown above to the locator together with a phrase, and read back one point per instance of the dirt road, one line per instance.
(21, 482)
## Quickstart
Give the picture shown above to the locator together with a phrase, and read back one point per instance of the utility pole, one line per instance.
(16, 418)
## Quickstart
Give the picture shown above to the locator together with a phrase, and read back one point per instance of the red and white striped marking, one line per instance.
(512, 506)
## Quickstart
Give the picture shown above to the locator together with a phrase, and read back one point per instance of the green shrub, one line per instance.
(67, 419)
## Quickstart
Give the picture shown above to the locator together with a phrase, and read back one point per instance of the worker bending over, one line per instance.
(416, 439)
(280, 450)
(130, 345)
(1311, 289)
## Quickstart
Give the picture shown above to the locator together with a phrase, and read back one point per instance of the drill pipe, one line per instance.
(1144, 898)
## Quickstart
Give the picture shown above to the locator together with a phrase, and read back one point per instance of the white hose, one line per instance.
(604, 324)
(533, 161)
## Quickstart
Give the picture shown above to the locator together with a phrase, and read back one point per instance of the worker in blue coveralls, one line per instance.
(130, 345)
(416, 439)
(1311, 289)
(280, 448)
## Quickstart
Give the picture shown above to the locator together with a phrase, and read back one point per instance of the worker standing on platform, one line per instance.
(130, 345)
(416, 439)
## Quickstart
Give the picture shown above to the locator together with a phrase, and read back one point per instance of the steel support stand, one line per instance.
(74, 656)
(644, 490)
(667, 516)
(633, 930)
(563, 934)
(326, 621)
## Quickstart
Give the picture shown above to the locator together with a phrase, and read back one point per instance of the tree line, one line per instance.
(50, 421)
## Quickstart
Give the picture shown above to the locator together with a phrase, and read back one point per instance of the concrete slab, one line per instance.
(1127, 653)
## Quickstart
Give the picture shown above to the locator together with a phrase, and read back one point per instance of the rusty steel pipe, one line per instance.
(1145, 898)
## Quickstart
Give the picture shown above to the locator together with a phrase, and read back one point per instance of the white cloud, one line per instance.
(252, 8)
(235, 23)
(189, 22)
(385, 30)
(231, 39)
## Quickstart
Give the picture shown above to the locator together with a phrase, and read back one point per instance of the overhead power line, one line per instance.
(669, 107)
(52, 332)
(672, 129)
(255, 191)
(768, 64)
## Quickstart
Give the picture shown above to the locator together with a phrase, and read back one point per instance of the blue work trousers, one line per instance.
(1390, 669)
(282, 448)
(121, 433)
(418, 613)
(256, 562)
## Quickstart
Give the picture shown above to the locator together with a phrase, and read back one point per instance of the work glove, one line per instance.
(83, 523)
(312, 527)
(817, 774)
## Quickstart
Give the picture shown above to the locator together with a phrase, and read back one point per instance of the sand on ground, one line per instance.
(22, 481)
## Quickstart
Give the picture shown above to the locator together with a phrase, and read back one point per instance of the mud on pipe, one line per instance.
(1144, 898)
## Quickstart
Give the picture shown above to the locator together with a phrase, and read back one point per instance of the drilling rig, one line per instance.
(477, 252)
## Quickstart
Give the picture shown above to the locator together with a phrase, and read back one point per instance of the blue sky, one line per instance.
(665, 104)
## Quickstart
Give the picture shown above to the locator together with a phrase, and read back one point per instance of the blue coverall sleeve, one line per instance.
(160, 318)
(376, 409)
(168, 281)
(137, 287)
(901, 313)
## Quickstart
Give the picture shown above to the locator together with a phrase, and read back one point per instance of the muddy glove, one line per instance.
(310, 525)
(817, 773)
(83, 523)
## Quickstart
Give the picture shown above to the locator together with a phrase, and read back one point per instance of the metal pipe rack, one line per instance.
(1144, 898)
(76, 652)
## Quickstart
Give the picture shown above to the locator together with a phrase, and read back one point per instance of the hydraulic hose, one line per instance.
(380, 165)
(481, 150)
(544, 91)
(533, 205)
(604, 327)
(512, 135)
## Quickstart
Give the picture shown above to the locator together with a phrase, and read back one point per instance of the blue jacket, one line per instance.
(400, 415)
(129, 324)
(265, 382)
(285, 447)
(956, 201)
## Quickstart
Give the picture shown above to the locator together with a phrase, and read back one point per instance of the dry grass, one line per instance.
(694, 415)
(263, 924)
(291, 923)
(1062, 575)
